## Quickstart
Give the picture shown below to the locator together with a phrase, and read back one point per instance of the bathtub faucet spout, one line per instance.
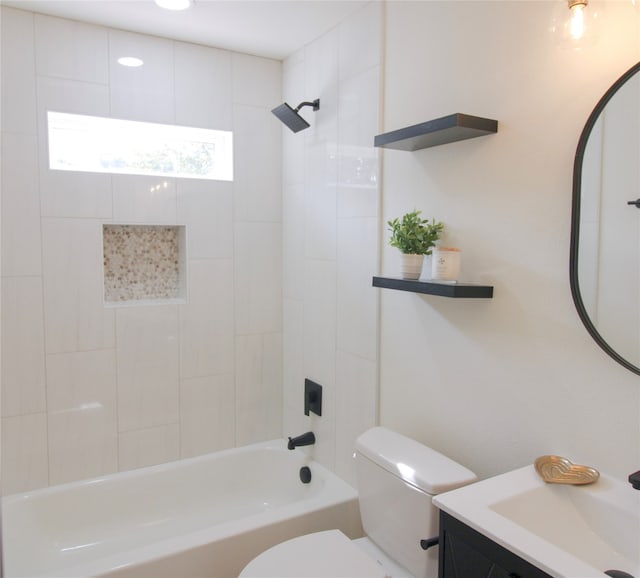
(306, 439)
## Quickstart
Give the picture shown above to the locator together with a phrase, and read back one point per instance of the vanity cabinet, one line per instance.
(465, 553)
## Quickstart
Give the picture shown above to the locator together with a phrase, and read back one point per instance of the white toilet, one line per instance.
(397, 477)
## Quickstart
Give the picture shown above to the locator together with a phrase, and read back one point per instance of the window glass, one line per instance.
(107, 145)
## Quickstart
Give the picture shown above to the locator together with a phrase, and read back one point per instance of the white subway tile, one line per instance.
(358, 160)
(273, 376)
(360, 37)
(24, 453)
(82, 419)
(293, 235)
(293, 149)
(272, 371)
(249, 392)
(356, 407)
(258, 277)
(321, 69)
(21, 251)
(257, 184)
(148, 366)
(256, 81)
(142, 199)
(203, 86)
(206, 322)
(71, 96)
(148, 447)
(320, 204)
(207, 414)
(75, 316)
(206, 207)
(23, 361)
(359, 118)
(75, 195)
(357, 303)
(292, 60)
(18, 85)
(320, 320)
(145, 93)
(293, 365)
(258, 388)
(71, 49)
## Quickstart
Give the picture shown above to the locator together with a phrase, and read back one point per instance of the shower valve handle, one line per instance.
(636, 203)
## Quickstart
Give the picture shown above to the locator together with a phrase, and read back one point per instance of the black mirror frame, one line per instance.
(575, 220)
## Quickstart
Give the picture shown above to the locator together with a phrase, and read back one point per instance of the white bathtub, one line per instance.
(206, 516)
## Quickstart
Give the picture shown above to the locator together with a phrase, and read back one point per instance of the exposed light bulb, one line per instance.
(576, 25)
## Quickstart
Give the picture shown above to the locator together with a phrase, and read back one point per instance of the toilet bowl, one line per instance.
(317, 555)
(397, 478)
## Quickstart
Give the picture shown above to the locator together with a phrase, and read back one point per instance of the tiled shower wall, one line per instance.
(331, 236)
(88, 389)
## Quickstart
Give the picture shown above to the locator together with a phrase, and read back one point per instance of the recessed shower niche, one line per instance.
(144, 264)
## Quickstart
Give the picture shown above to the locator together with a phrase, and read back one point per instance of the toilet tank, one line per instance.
(397, 477)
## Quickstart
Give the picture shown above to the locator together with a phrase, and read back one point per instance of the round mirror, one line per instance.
(605, 223)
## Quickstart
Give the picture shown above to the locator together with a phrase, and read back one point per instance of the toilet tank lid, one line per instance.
(412, 461)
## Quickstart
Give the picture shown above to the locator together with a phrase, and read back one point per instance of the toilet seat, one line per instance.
(317, 555)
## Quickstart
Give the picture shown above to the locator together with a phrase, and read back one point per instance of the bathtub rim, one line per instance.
(275, 444)
(337, 493)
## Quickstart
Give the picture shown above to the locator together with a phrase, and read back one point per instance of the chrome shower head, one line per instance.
(290, 116)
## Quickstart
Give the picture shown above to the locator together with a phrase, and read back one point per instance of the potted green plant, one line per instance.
(414, 237)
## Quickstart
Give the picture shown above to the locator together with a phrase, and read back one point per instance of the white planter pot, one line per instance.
(411, 266)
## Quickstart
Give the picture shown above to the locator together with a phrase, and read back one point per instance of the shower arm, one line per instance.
(315, 104)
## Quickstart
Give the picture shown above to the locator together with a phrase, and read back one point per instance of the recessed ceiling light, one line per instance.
(130, 61)
(174, 4)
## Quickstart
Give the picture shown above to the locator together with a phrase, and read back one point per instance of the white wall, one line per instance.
(331, 214)
(88, 390)
(496, 383)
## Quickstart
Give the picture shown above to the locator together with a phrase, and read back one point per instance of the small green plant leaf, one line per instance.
(413, 234)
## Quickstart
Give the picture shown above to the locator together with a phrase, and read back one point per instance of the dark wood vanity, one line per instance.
(465, 553)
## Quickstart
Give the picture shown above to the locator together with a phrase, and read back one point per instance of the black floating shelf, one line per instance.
(461, 290)
(436, 132)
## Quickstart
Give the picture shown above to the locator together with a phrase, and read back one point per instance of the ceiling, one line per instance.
(269, 28)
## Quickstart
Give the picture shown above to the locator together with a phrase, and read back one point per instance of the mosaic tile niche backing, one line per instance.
(143, 262)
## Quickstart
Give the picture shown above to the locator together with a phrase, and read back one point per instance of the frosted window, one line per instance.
(107, 145)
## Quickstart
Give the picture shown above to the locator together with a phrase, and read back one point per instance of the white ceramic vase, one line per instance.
(411, 266)
(445, 263)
